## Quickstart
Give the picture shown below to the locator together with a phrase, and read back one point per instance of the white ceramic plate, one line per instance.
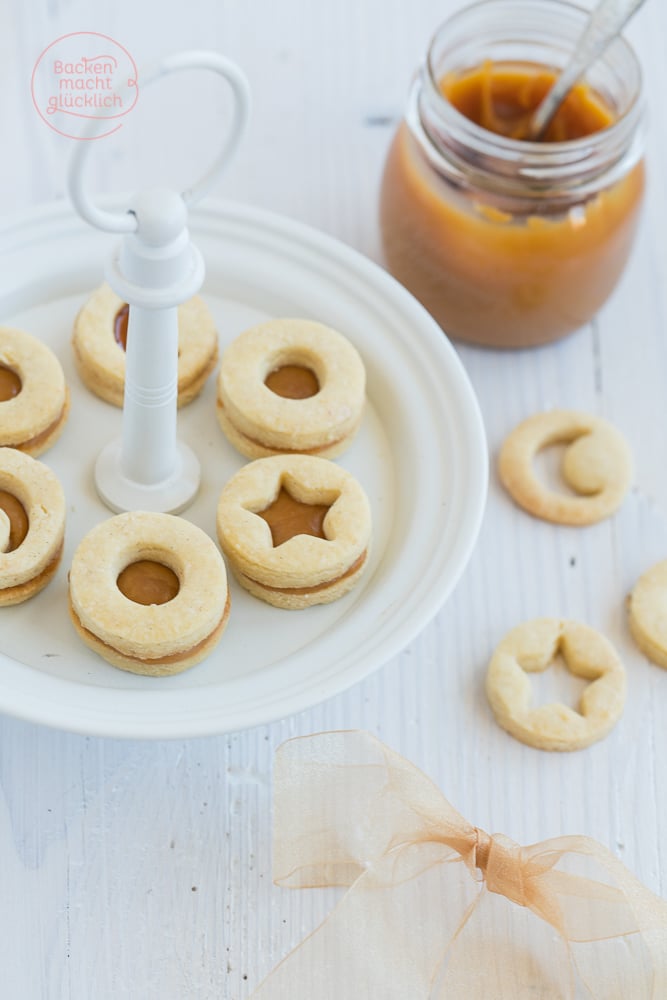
(421, 456)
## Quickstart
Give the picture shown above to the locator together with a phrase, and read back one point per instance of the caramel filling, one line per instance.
(292, 382)
(147, 582)
(356, 565)
(37, 583)
(10, 384)
(18, 519)
(170, 657)
(287, 517)
(121, 319)
(281, 451)
(38, 439)
(120, 325)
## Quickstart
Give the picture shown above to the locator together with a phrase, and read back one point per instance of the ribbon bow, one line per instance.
(438, 909)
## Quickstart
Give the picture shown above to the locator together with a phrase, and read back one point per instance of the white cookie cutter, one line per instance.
(155, 268)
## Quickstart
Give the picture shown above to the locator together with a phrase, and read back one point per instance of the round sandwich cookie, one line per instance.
(148, 592)
(32, 526)
(291, 386)
(100, 339)
(34, 398)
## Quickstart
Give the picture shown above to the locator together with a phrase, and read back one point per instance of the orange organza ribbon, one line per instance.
(436, 907)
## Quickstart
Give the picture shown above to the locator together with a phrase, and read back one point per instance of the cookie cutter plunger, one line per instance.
(154, 269)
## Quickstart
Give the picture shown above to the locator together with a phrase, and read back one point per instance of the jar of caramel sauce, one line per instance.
(509, 242)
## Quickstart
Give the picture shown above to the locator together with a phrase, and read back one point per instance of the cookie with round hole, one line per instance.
(291, 386)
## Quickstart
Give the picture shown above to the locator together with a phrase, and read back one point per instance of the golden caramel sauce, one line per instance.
(120, 322)
(287, 517)
(292, 382)
(18, 519)
(489, 276)
(147, 582)
(502, 98)
(10, 384)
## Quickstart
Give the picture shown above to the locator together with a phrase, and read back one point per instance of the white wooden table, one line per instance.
(143, 870)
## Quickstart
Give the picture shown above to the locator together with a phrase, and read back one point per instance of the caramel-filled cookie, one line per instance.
(34, 398)
(296, 530)
(148, 592)
(291, 386)
(100, 338)
(32, 526)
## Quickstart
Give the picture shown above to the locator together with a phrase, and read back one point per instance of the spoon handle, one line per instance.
(606, 21)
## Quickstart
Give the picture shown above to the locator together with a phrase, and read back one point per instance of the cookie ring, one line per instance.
(647, 613)
(305, 569)
(597, 465)
(100, 358)
(34, 530)
(155, 639)
(34, 398)
(259, 421)
(531, 647)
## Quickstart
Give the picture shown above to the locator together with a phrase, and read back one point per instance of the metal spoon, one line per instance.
(606, 21)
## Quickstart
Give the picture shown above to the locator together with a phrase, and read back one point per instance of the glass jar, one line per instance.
(507, 242)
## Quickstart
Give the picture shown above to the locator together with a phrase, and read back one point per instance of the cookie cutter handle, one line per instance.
(125, 221)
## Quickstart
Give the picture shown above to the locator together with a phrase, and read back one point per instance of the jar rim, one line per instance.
(532, 154)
